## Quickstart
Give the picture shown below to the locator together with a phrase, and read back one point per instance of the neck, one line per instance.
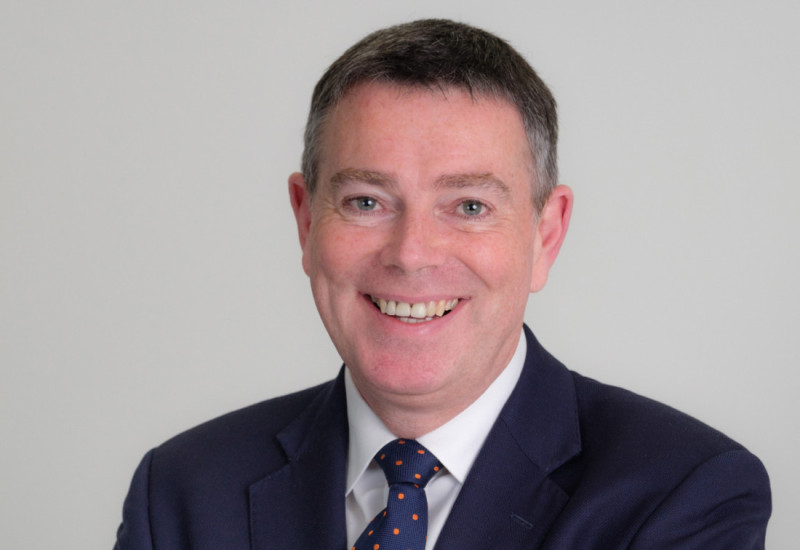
(412, 423)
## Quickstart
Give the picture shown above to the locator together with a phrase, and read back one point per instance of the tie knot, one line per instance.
(406, 461)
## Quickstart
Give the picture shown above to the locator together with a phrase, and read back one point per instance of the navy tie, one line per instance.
(403, 524)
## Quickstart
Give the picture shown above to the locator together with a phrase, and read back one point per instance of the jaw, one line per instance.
(405, 344)
(416, 355)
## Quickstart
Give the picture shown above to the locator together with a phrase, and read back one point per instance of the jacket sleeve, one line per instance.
(724, 503)
(134, 532)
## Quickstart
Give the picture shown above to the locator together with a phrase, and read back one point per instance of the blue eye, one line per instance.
(365, 203)
(472, 208)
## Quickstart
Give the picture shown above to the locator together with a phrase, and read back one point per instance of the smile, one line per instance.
(419, 312)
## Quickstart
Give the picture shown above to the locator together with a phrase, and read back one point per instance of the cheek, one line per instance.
(503, 264)
(336, 252)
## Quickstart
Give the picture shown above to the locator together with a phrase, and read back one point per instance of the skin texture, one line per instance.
(425, 195)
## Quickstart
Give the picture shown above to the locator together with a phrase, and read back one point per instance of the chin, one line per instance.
(403, 377)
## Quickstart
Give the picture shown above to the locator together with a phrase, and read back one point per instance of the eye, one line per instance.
(365, 204)
(472, 208)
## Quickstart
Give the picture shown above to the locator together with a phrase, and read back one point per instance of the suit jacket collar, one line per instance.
(542, 412)
(311, 485)
(508, 501)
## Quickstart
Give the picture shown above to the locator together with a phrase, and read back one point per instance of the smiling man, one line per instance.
(428, 210)
(425, 201)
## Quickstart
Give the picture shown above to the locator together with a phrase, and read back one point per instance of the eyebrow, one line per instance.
(447, 181)
(371, 177)
(461, 181)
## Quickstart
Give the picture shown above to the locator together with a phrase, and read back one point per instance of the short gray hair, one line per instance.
(442, 53)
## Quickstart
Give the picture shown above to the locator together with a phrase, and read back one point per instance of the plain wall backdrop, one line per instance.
(150, 273)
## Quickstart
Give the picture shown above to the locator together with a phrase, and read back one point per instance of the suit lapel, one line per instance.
(301, 505)
(508, 501)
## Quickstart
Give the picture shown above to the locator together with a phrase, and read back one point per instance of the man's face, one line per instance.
(421, 241)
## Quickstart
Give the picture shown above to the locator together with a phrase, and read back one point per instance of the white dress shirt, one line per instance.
(455, 444)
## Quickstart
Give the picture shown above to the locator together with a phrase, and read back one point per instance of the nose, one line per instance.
(415, 242)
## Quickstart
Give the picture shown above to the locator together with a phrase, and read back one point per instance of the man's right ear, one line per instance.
(301, 205)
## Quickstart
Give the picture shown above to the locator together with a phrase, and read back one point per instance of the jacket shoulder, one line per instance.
(192, 490)
(247, 432)
(659, 477)
(612, 417)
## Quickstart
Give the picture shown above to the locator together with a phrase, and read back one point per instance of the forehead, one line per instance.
(380, 127)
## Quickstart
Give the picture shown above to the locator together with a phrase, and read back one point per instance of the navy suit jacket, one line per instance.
(569, 464)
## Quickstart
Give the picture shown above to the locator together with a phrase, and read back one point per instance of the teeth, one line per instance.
(403, 309)
(412, 321)
(430, 310)
(417, 312)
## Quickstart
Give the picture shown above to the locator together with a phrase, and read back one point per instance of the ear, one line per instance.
(301, 205)
(550, 232)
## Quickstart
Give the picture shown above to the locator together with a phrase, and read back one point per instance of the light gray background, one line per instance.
(149, 269)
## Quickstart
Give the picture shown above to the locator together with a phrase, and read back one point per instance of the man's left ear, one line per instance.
(550, 233)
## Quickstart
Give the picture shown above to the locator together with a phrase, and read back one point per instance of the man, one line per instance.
(427, 211)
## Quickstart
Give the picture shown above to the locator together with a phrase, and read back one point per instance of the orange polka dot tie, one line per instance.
(403, 524)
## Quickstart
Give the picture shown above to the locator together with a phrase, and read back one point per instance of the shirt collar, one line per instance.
(456, 444)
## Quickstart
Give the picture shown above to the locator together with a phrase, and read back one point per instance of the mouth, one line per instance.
(418, 312)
